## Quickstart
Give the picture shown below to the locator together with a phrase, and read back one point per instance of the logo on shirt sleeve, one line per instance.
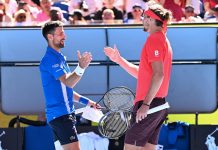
(55, 65)
(156, 53)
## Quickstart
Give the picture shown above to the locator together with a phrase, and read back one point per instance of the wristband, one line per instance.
(83, 100)
(145, 104)
(79, 71)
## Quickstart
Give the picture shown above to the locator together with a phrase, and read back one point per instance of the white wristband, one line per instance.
(79, 71)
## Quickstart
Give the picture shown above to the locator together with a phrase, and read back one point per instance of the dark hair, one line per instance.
(21, 4)
(161, 12)
(49, 28)
(83, 6)
(78, 14)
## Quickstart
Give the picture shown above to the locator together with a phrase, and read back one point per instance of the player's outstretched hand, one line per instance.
(84, 59)
(112, 53)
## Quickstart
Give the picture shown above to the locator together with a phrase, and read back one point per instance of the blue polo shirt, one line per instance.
(59, 97)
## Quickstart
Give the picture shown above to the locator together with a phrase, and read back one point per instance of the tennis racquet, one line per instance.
(114, 124)
(118, 98)
(119, 103)
(115, 99)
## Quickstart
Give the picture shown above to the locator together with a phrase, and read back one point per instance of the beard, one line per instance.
(60, 44)
(145, 30)
(145, 27)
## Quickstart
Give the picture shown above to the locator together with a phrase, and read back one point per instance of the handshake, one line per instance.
(86, 57)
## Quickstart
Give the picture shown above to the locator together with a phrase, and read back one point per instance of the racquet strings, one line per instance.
(114, 124)
(119, 98)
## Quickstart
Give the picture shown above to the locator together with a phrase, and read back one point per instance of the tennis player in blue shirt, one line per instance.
(58, 82)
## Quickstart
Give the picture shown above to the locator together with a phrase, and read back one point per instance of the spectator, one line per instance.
(32, 4)
(174, 8)
(5, 18)
(57, 15)
(181, 3)
(23, 5)
(64, 6)
(208, 5)
(190, 16)
(10, 7)
(20, 18)
(76, 18)
(215, 14)
(44, 14)
(197, 5)
(1, 17)
(108, 16)
(88, 7)
(131, 3)
(135, 16)
(109, 4)
(121, 4)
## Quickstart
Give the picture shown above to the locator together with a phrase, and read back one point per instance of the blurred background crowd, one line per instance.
(83, 12)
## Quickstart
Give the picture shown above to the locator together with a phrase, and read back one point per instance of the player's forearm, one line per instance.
(72, 79)
(83, 100)
(156, 82)
(76, 96)
(129, 67)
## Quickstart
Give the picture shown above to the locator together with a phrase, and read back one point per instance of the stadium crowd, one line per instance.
(83, 12)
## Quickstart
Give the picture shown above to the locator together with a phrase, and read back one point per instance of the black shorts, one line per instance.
(148, 129)
(64, 129)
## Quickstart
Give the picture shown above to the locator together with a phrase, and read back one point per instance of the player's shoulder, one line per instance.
(157, 35)
(49, 59)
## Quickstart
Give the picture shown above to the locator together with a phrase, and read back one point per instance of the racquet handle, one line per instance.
(158, 108)
(81, 110)
(150, 111)
(99, 107)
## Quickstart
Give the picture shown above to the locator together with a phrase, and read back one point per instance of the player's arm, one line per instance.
(156, 81)
(83, 100)
(129, 67)
(114, 56)
(155, 57)
(71, 79)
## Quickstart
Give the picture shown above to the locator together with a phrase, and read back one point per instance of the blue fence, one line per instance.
(193, 85)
